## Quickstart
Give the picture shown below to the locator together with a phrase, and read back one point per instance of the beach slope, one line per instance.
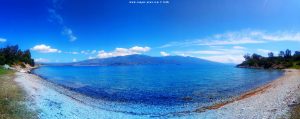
(271, 101)
(53, 104)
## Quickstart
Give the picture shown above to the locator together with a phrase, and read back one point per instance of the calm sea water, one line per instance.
(158, 89)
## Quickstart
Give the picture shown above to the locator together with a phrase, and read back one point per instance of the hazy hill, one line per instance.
(139, 60)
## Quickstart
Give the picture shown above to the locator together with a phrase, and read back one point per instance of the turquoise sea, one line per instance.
(157, 90)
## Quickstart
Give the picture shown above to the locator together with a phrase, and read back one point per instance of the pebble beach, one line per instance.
(270, 101)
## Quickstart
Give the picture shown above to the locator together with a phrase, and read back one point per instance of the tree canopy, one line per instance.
(285, 59)
(12, 55)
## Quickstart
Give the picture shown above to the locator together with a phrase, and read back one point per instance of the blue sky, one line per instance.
(217, 30)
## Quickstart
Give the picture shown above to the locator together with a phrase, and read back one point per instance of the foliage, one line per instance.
(285, 59)
(12, 55)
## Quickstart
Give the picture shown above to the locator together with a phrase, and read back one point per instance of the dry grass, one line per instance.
(12, 98)
(295, 112)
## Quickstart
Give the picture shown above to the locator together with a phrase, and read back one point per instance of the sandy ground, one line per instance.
(268, 102)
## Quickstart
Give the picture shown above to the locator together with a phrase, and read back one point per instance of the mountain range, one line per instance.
(137, 60)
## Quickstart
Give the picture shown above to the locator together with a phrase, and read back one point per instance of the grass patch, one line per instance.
(296, 65)
(12, 98)
(3, 71)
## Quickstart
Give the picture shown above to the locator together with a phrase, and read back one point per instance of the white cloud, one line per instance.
(231, 41)
(139, 49)
(182, 54)
(83, 52)
(238, 47)
(265, 52)
(282, 36)
(42, 60)
(74, 53)
(42, 48)
(212, 52)
(123, 52)
(235, 59)
(74, 60)
(240, 37)
(203, 52)
(162, 53)
(90, 57)
(2, 40)
(88, 52)
(219, 55)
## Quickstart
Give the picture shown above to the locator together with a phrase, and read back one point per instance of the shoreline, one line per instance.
(53, 101)
(252, 92)
(273, 100)
(12, 98)
(219, 110)
(245, 95)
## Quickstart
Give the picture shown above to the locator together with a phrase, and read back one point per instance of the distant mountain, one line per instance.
(139, 60)
(142, 59)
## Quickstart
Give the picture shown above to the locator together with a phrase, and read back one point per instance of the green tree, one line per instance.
(271, 54)
(247, 57)
(283, 60)
(256, 56)
(13, 55)
(288, 53)
(2, 59)
(281, 54)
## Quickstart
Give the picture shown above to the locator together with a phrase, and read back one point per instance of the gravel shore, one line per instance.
(267, 102)
(53, 104)
(271, 101)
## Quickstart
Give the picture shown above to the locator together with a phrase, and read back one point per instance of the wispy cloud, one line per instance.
(42, 48)
(123, 52)
(281, 36)
(56, 17)
(265, 52)
(88, 52)
(240, 37)
(238, 47)
(162, 53)
(212, 52)
(74, 60)
(2, 40)
(234, 59)
(84, 52)
(42, 60)
(67, 31)
(91, 57)
(74, 53)
(232, 55)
